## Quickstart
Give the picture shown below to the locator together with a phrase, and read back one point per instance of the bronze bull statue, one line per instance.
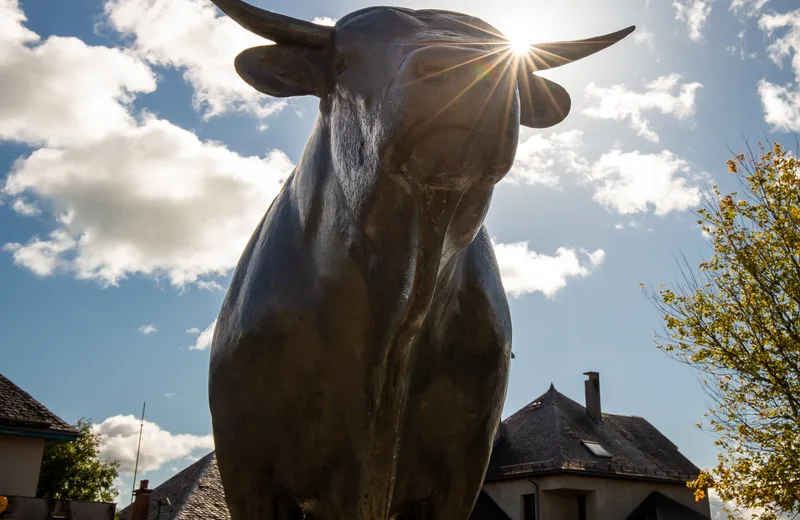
(361, 355)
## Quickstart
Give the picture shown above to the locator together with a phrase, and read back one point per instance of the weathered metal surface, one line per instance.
(360, 359)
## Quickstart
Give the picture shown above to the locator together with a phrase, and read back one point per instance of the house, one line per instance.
(27, 428)
(558, 459)
(554, 459)
(196, 494)
(193, 494)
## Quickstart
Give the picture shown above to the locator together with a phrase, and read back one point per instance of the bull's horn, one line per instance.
(548, 55)
(274, 26)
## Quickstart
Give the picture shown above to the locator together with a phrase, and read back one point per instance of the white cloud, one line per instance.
(119, 437)
(694, 13)
(25, 208)
(781, 103)
(148, 329)
(634, 181)
(596, 257)
(62, 91)
(789, 43)
(208, 285)
(204, 338)
(781, 106)
(152, 199)
(666, 94)
(129, 195)
(747, 7)
(525, 271)
(324, 20)
(644, 36)
(188, 35)
(539, 155)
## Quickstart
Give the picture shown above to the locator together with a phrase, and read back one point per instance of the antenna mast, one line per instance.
(138, 448)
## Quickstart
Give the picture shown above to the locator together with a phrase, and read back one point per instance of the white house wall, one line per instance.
(21, 461)
(607, 498)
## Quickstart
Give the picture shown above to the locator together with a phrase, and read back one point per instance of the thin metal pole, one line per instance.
(136, 466)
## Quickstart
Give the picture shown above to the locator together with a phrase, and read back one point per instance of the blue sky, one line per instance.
(134, 164)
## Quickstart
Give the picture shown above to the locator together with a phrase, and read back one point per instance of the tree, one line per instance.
(74, 470)
(737, 321)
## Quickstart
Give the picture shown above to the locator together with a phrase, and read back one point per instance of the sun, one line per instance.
(519, 39)
(519, 46)
(525, 28)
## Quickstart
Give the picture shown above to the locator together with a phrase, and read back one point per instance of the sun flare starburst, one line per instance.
(519, 46)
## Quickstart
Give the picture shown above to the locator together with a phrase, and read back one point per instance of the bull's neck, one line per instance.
(401, 229)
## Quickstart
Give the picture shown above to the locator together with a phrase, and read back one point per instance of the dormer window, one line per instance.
(596, 448)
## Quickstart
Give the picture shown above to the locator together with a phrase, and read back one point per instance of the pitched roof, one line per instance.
(487, 509)
(195, 493)
(546, 437)
(21, 412)
(660, 507)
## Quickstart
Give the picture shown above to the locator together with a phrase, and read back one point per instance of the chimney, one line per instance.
(592, 387)
(141, 501)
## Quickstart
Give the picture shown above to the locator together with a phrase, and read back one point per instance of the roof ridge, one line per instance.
(210, 458)
(559, 436)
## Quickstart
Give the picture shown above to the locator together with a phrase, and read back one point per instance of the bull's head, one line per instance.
(429, 95)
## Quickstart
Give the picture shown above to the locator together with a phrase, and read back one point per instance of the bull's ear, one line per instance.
(542, 103)
(285, 70)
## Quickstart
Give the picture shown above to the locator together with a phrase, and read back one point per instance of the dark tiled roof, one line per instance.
(545, 436)
(487, 509)
(660, 507)
(18, 410)
(194, 494)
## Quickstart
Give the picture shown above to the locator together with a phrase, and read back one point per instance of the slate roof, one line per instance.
(487, 509)
(20, 411)
(194, 494)
(545, 437)
(660, 507)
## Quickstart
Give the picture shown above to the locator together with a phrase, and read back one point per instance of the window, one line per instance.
(529, 507)
(581, 507)
(596, 449)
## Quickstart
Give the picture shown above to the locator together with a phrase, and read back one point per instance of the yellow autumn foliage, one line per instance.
(736, 319)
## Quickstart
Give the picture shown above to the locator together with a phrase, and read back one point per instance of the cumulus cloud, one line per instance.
(62, 91)
(152, 199)
(694, 13)
(525, 271)
(204, 338)
(666, 94)
(634, 181)
(130, 195)
(781, 103)
(119, 436)
(148, 329)
(190, 36)
(538, 157)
